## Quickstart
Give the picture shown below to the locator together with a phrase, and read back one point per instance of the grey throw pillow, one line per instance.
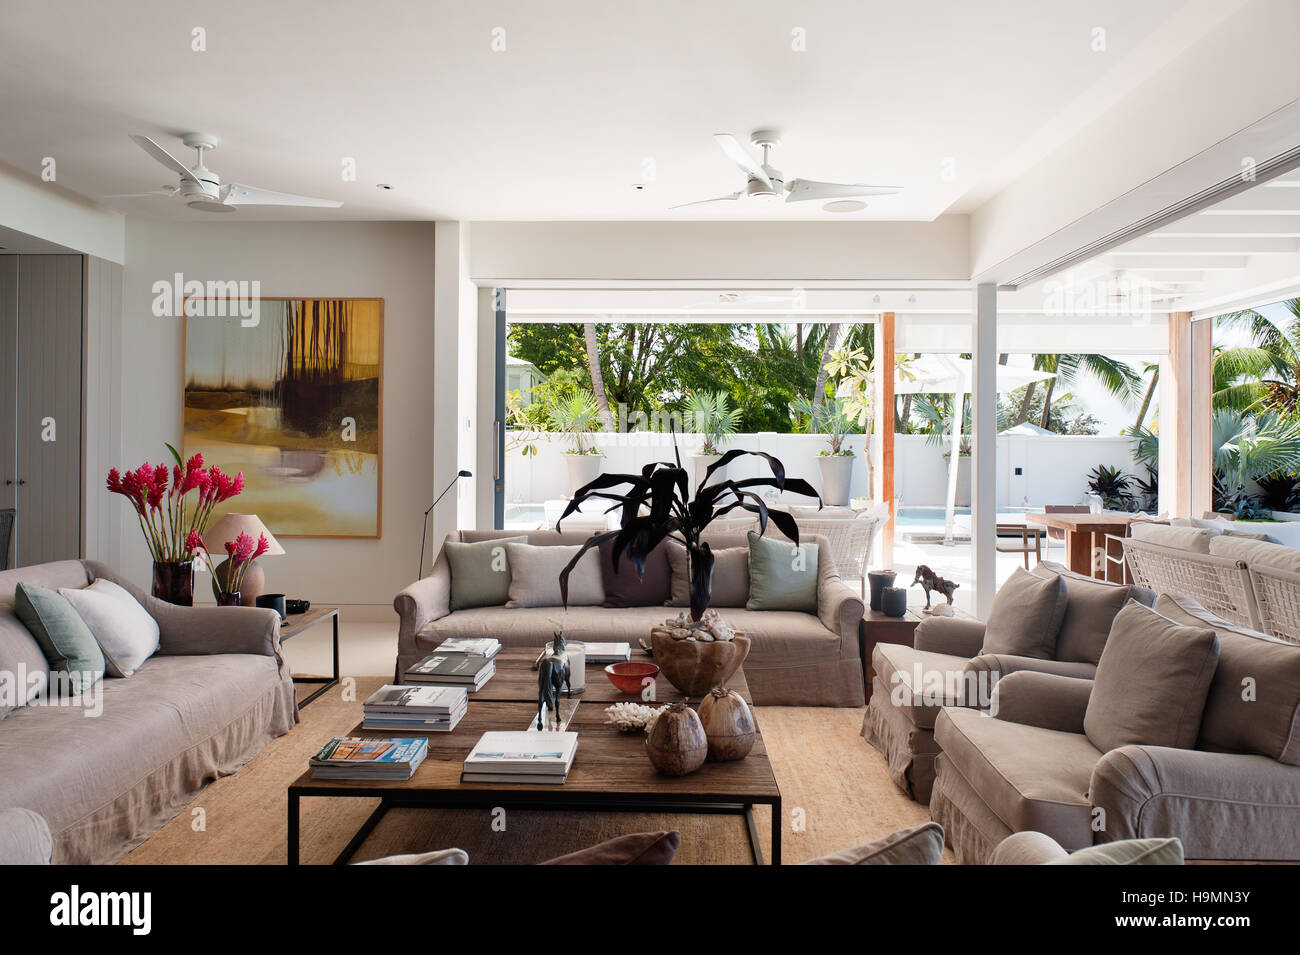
(480, 572)
(64, 638)
(535, 576)
(782, 575)
(1090, 608)
(920, 845)
(730, 576)
(1166, 851)
(1026, 616)
(1151, 683)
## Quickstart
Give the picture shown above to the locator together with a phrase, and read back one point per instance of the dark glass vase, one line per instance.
(173, 581)
(228, 600)
(701, 575)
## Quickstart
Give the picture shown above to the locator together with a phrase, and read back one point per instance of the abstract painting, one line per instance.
(293, 399)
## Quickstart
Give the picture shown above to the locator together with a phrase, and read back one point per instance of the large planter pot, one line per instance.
(837, 474)
(695, 666)
(583, 469)
(701, 463)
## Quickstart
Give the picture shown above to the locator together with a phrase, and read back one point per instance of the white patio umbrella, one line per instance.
(944, 374)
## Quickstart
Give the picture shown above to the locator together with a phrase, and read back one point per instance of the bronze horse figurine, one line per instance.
(929, 581)
(552, 673)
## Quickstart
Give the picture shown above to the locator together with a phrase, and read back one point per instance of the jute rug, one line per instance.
(835, 788)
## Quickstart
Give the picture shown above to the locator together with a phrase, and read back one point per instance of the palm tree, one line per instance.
(1153, 369)
(597, 376)
(1116, 376)
(1251, 446)
(1266, 373)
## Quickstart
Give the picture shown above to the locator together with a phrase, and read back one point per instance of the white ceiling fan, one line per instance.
(767, 184)
(202, 188)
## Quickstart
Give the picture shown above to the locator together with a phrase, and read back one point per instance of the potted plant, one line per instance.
(169, 516)
(1113, 487)
(836, 459)
(710, 415)
(241, 552)
(658, 504)
(575, 415)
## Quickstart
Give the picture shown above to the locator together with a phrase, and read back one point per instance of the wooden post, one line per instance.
(1177, 417)
(884, 438)
(1202, 373)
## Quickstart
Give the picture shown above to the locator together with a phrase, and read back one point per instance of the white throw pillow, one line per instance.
(535, 576)
(124, 630)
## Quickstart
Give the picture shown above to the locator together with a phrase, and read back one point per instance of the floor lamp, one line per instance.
(419, 574)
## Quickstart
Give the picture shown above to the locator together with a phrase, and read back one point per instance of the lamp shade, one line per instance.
(231, 526)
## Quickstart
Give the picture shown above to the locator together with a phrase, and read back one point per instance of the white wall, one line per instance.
(1055, 469)
(48, 211)
(393, 261)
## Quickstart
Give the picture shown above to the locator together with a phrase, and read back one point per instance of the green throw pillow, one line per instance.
(66, 641)
(1166, 851)
(480, 572)
(781, 575)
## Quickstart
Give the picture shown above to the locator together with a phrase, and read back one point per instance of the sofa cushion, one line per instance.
(919, 845)
(436, 857)
(782, 575)
(1253, 705)
(1029, 777)
(1090, 608)
(1151, 683)
(66, 641)
(24, 838)
(1166, 851)
(730, 576)
(125, 632)
(624, 588)
(1026, 616)
(920, 682)
(480, 572)
(535, 576)
(1195, 539)
(1256, 553)
(639, 848)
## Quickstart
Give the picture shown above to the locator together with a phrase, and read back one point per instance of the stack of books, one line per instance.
(347, 757)
(419, 709)
(603, 653)
(521, 757)
(457, 662)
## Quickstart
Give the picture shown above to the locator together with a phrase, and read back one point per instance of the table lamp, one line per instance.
(228, 528)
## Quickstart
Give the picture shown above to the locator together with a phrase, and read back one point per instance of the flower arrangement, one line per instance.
(169, 517)
(241, 551)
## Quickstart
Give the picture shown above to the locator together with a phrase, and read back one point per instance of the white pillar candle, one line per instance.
(577, 665)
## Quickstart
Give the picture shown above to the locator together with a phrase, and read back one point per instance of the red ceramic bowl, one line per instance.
(631, 677)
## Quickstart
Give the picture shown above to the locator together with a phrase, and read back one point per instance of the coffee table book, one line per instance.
(486, 647)
(352, 757)
(524, 757)
(417, 709)
(452, 669)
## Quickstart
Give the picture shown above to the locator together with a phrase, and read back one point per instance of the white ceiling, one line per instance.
(560, 124)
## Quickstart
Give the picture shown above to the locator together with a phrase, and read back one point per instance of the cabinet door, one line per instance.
(48, 525)
(8, 389)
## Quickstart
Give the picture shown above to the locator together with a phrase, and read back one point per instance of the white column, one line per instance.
(450, 268)
(984, 444)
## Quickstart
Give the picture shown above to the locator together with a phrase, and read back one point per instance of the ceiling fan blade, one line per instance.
(164, 157)
(741, 157)
(705, 202)
(237, 194)
(141, 195)
(804, 190)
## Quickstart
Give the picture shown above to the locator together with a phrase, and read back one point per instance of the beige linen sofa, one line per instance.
(795, 659)
(215, 692)
(945, 667)
(1235, 796)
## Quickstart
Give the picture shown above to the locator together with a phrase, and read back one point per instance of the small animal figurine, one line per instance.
(929, 581)
(552, 673)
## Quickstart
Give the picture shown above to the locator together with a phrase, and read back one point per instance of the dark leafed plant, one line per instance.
(657, 504)
(1111, 485)
(1279, 492)
(1148, 488)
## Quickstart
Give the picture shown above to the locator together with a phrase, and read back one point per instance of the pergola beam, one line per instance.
(883, 483)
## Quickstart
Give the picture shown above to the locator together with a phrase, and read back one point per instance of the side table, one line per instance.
(294, 624)
(877, 627)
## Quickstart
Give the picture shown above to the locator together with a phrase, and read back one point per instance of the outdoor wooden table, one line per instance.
(1085, 540)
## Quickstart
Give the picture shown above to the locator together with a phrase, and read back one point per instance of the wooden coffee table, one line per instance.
(611, 772)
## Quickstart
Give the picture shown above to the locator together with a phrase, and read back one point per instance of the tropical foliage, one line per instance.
(710, 415)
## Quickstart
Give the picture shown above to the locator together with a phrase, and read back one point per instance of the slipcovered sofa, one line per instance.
(946, 667)
(795, 658)
(1235, 795)
(215, 692)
